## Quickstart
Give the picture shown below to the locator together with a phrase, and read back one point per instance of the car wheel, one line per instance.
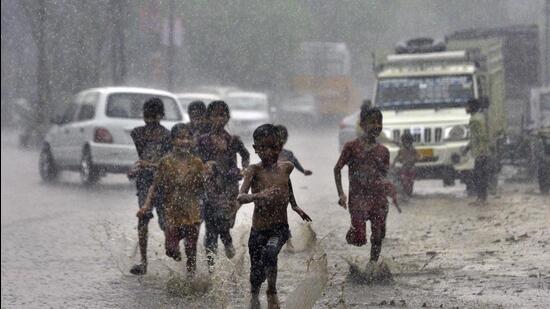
(46, 165)
(89, 174)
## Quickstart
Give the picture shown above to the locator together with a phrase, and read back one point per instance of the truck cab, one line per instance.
(423, 90)
(425, 94)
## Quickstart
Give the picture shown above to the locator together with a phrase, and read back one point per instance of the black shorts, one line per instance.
(144, 180)
(264, 247)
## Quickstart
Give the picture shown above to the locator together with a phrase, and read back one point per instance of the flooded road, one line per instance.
(64, 245)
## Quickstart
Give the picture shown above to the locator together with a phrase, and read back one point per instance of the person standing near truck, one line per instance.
(479, 146)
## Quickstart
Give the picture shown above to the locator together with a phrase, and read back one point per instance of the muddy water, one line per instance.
(66, 246)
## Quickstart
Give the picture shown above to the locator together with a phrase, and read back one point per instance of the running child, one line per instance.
(271, 193)
(152, 142)
(368, 163)
(198, 122)
(181, 176)
(220, 149)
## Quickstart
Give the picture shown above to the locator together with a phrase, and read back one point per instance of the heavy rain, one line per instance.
(151, 149)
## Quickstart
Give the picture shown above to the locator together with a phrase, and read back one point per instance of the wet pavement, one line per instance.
(64, 245)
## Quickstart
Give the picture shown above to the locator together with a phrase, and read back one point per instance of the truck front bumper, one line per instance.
(440, 159)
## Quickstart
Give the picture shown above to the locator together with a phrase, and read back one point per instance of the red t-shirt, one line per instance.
(367, 167)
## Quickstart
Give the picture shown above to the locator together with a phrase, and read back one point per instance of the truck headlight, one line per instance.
(456, 133)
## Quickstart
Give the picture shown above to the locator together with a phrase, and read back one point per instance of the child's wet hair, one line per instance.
(217, 105)
(407, 138)
(283, 133)
(266, 131)
(153, 108)
(474, 103)
(178, 129)
(196, 108)
(368, 112)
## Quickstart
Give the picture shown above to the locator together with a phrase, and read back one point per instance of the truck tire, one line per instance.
(89, 173)
(448, 178)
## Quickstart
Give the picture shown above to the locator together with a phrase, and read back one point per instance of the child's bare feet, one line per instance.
(229, 251)
(139, 269)
(255, 301)
(289, 245)
(176, 255)
(272, 300)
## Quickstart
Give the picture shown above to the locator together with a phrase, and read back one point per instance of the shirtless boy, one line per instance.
(271, 193)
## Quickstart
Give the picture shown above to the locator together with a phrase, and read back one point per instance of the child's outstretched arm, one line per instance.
(294, 205)
(297, 164)
(244, 197)
(394, 200)
(245, 155)
(397, 158)
(343, 160)
(390, 190)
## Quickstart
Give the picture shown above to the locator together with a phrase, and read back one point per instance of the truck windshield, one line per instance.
(424, 92)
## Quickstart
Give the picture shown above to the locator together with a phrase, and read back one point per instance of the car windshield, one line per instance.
(184, 102)
(130, 105)
(424, 92)
(247, 103)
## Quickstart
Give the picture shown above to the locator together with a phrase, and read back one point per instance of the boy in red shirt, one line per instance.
(368, 163)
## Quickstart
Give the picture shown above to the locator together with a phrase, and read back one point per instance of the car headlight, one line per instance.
(456, 133)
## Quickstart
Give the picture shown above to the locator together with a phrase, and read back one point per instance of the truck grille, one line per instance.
(427, 136)
(438, 133)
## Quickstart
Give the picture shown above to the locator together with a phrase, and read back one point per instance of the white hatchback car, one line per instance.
(93, 135)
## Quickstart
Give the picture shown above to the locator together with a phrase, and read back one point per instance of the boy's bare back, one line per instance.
(273, 184)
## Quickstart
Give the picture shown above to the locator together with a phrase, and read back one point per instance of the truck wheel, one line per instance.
(89, 174)
(544, 179)
(46, 165)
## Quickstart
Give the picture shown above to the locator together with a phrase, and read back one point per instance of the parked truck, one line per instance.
(422, 89)
(423, 85)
